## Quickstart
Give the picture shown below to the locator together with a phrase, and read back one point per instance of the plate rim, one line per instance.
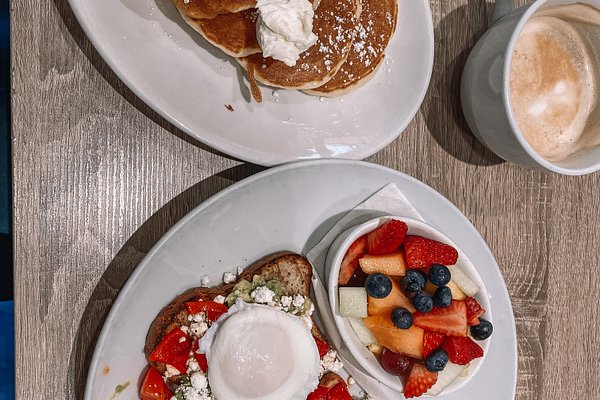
(93, 366)
(249, 156)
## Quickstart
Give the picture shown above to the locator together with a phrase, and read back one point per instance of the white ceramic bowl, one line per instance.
(363, 356)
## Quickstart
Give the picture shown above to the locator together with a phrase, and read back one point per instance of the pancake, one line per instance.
(375, 28)
(234, 33)
(334, 24)
(201, 9)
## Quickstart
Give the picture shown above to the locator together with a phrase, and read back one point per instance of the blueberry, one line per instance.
(483, 330)
(402, 318)
(422, 302)
(439, 275)
(414, 281)
(437, 361)
(442, 297)
(378, 286)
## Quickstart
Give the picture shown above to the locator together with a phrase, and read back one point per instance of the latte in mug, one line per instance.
(555, 80)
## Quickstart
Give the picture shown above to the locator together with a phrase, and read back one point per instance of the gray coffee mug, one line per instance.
(485, 93)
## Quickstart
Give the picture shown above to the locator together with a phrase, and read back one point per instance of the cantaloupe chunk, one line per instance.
(395, 299)
(389, 264)
(457, 294)
(406, 341)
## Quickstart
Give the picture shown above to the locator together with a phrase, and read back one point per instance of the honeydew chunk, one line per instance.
(353, 302)
(464, 283)
(446, 377)
(362, 332)
(389, 264)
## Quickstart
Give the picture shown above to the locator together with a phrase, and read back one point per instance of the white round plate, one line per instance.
(187, 81)
(289, 207)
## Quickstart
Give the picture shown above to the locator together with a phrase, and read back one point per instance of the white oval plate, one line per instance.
(187, 81)
(289, 207)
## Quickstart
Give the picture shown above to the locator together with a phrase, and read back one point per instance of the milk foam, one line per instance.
(554, 80)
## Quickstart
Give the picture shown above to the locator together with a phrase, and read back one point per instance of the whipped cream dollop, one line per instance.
(284, 29)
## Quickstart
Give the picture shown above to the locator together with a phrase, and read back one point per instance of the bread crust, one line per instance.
(291, 269)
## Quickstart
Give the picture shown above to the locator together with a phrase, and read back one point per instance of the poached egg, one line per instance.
(259, 352)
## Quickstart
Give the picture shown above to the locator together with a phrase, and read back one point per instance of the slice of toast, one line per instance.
(291, 269)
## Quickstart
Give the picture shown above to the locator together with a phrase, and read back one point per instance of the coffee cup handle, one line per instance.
(502, 8)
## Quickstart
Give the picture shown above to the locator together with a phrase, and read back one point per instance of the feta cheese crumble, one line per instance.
(204, 281)
(330, 362)
(219, 299)
(228, 277)
(262, 295)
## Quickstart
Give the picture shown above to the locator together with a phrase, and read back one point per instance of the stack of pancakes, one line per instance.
(352, 37)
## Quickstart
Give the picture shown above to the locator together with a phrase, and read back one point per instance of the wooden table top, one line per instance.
(99, 177)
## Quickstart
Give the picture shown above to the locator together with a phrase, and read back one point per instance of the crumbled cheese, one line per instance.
(204, 281)
(196, 389)
(219, 299)
(240, 270)
(199, 317)
(192, 365)
(171, 371)
(198, 380)
(228, 277)
(262, 294)
(185, 329)
(198, 328)
(286, 301)
(298, 301)
(330, 362)
(182, 339)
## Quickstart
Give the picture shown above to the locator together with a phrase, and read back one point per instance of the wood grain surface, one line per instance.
(99, 177)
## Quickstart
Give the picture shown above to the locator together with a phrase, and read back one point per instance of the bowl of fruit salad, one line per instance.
(409, 305)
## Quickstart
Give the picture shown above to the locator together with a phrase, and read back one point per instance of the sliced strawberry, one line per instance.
(387, 238)
(200, 358)
(212, 309)
(474, 311)
(461, 350)
(419, 381)
(449, 321)
(154, 387)
(350, 261)
(431, 341)
(202, 361)
(322, 346)
(173, 349)
(339, 392)
(320, 393)
(422, 252)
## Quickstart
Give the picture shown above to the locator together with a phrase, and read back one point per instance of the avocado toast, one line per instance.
(175, 345)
